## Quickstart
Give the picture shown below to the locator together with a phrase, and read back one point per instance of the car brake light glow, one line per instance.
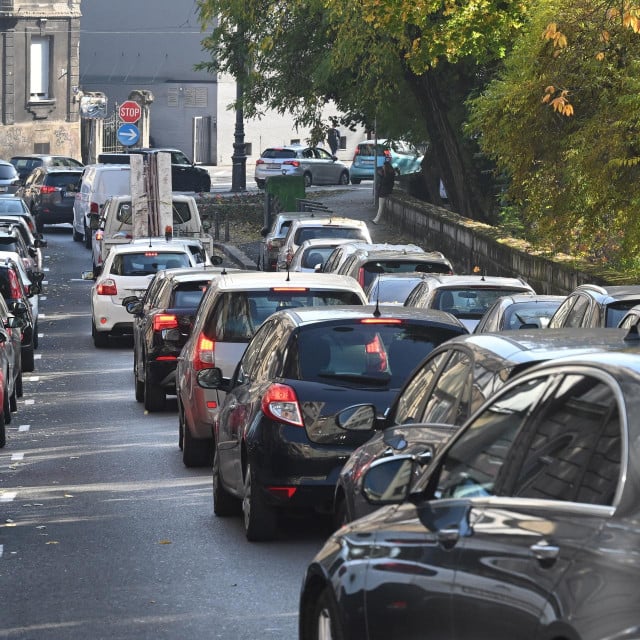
(151, 254)
(165, 321)
(47, 189)
(387, 153)
(212, 404)
(204, 357)
(378, 361)
(260, 161)
(94, 207)
(293, 163)
(280, 403)
(14, 286)
(292, 289)
(167, 358)
(107, 288)
(361, 276)
(282, 492)
(99, 235)
(381, 321)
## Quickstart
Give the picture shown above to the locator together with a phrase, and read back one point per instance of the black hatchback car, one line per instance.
(50, 193)
(524, 525)
(277, 443)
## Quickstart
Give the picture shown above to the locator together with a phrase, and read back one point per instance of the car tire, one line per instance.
(100, 338)
(325, 621)
(77, 237)
(181, 420)
(6, 407)
(35, 335)
(308, 179)
(196, 452)
(260, 184)
(259, 518)
(355, 181)
(344, 178)
(87, 237)
(13, 404)
(224, 504)
(137, 383)
(154, 396)
(28, 360)
(18, 383)
(3, 431)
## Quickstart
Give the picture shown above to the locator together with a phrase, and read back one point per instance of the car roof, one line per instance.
(400, 254)
(322, 242)
(156, 244)
(49, 169)
(190, 274)
(338, 221)
(616, 292)
(161, 241)
(445, 280)
(310, 315)
(245, 280)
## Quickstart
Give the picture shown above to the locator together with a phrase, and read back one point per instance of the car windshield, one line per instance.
(147, 263)
(309, 233)
(181, 213)
(8, 243)
(363, 354)
(617, 310)
(279, 153)
(469, 302)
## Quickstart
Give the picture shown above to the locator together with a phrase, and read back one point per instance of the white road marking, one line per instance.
(17, 456)
(32, 379)
(46, 269)
(42, 298)
(8, 496)
(41, 315)
(37, 356)
(29, 401)
(24, 427)
(1, 550)
(45, 282)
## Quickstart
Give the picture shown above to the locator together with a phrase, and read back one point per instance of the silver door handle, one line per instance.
(545, 553)
(448, 537)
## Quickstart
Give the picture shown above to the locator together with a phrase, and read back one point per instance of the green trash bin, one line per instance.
(282, 194)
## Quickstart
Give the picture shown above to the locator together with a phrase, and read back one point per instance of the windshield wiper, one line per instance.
(381, 380)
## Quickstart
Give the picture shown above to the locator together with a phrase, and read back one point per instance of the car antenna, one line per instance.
(378, 269)
(288, 276)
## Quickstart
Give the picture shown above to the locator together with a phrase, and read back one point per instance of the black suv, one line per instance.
(50, 193)
(185, 175)
(591, 305)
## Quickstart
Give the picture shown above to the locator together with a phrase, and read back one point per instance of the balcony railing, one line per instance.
(6, 6)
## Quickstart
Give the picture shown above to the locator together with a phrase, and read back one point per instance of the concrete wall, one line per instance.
(468, 244)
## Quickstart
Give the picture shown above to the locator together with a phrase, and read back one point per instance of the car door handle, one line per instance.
(448, 537)
(545, 553)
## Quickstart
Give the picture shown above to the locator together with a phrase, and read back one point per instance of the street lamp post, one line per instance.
(239, 157)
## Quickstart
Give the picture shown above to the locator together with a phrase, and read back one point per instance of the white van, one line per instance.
(99, 182)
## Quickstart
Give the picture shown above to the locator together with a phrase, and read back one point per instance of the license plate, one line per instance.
(273, 166)
(3, 189)
(366, 163)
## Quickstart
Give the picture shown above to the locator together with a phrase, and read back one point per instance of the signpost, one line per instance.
(130, 112)
(128, 134)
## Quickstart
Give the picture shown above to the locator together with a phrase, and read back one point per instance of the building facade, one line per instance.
(39, 49)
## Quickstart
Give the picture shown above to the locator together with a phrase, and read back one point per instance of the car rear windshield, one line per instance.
(529, 313)
(402, 266)
(309, 233)
(8, 244)
(7, 172)
(363, 355)
(470, 302)
(189, 294)
(279, 153)
(146, 263)
(369, 149)
(181, 213)
(617, 310)
(393, 290)
(240, 313)
(68, 181)
(316, 255)
(12, 206)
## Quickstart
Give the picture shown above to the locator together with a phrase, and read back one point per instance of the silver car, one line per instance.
(317, 165)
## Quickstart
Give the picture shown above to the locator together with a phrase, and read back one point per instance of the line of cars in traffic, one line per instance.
(469, 440)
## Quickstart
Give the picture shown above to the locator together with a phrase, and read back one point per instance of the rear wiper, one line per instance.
(382, 379)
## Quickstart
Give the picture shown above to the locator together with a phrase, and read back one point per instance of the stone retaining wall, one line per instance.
(468, 244)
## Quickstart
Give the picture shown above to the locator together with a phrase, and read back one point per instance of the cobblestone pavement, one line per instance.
(355, 202)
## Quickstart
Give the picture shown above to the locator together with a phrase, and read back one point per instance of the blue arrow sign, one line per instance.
(128, 134)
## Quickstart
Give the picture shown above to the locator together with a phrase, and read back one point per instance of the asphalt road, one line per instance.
(103, 532)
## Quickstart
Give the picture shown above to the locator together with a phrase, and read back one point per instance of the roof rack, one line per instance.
(312, 205)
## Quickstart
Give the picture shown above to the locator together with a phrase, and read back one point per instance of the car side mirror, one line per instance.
(88, 275)
(14, 322)
(212, 379)
(389, 480)
(40, 242)
(32, 252)
(94, 222)
(216, 261)
(19, 308)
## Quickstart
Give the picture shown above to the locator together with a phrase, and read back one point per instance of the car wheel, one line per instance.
(3, 431)
(19, 385)
(181, 419)
(77, 237)
(260, 184)
(196, 452)
(344, 178)
(28, 360)
(259, 517)
(100, 338)
(325, 623)
(355, 180)
(224, 504)
(154, 396)
(87, 237)
(13, 404)
(6, 407)
(35, 336)
(308, 179)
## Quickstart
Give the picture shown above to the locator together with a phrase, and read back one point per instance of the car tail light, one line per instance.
(356, 153)
(205, 353)
(361, 274)
(14, 286)
(293, 163)
(260, 161)
(290, 289)
(282, 492)
(280, 403)
(94, 207)
(99, 235)
(107, 288)
(381, 321)
(387, 153)
(376, 355)
(47, 189)
(165, 321)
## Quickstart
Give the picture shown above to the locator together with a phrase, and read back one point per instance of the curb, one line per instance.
(236, 255)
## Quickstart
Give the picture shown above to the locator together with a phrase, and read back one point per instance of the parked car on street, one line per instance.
(277, 445)
(12, 240)
(519, 311)
(50, 193)
(311, 254)
(231, 311)
(162, 321)
(12, 205)
(405, 158)
(591, 305)
(25, 164)
(466, 297)
(446, 388)
(315, 164)
(127, 271)
(274, 236)
(34, 242)
(9, 178)
(524, 524)
(320, 227)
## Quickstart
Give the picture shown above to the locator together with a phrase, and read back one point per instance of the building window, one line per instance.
(39, 69)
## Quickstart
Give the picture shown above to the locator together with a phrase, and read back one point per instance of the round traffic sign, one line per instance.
(129, 111)
(128, 134)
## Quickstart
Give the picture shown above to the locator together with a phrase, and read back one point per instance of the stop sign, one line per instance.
(129, 111)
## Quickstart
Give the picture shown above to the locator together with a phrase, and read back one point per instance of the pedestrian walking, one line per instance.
(333, 137)
(386, 176)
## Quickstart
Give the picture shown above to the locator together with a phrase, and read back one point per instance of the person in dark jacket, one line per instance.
(386, 178)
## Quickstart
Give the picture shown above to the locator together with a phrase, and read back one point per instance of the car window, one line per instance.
(575, 317)
(279, 153)
(470, 467)
(559, 317)
(7, 172)
(537, 313)
(572, 447)
(69, 181)
(469, 301)
(177, 157)
(156, 293)
(617, 310)
(308, 233)
(315, 255)
(323, 155)
(147, 263)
